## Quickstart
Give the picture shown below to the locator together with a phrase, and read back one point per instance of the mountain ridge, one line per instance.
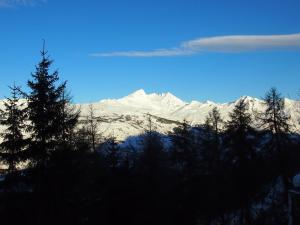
(128, 116)
(167, 106)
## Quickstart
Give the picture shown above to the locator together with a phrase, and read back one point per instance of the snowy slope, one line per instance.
(128, 116)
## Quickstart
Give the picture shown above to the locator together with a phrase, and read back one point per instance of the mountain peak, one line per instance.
(162, 101)
(248, 99)
(170, 98)
(138, 93)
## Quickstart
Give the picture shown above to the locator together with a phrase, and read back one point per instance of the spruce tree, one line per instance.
(213, 180)
(45, 103)
(183, 149)
(241, 156)
(51, 124)
(238, 134)
(112, 153)
(152, 149)
(68, 119)
(151, 165)
(14, 118)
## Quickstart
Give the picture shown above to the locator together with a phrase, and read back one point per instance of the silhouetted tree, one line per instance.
(14, 143)
(112, 151)
(212, 174)
(151, 169)
(276, 121)
(211, 140)
(51, 124)
(214, 121)
(274, 118)
(81, 140)
(92, 127)
(183, 150)
(210, 183)
(68, 120)
(239, 141)
(185, 157)
(45, 103)
(152, 148)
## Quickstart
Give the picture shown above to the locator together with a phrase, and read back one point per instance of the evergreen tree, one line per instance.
(242, 157)
(112, 153)
(45, 103)
(183, 149)
(81, 140)
(14, 143)
(68, 119)
(185, 154)
(51, 124)
(239, 119)
(151, 170)
(152, 148)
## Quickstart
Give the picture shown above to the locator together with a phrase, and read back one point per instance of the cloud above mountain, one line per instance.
(221, 44)
(15, 3)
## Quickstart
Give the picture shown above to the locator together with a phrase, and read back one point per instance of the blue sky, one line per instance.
(195, 49)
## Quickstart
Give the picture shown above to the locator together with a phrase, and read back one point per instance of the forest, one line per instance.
(216, 173)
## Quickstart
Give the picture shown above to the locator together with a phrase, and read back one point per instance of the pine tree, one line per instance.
(51, 124)
(213, 170)
(68, 119)
(14, 143)
(239, 134)
(45, 103)
(183, 149)
(81, 140)
(151, 165)
(152, 155)
(152, 148)
(240, 119)
(242, 156)
(112, 153)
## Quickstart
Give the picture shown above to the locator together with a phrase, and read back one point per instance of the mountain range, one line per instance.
(128, 116)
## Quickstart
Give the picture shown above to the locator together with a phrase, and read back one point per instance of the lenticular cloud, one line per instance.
(232, 43)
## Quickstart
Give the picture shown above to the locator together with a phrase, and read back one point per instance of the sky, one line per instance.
(201, 50)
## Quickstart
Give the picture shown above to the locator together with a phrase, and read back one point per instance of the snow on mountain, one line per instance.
(128, 116)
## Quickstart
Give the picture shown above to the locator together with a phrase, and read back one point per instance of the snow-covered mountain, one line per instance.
(128, 116)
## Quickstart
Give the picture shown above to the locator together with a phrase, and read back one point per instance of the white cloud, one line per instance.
(14, 3)
(244, 42)
(233, 43)
(153, 53)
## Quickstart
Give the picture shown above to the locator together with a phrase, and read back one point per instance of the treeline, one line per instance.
(218, 173)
